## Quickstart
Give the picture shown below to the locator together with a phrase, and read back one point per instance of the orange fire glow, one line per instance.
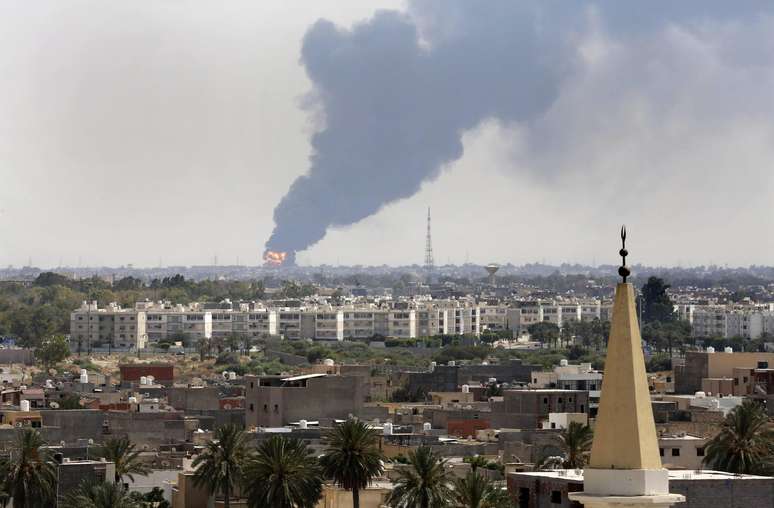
(274, 258)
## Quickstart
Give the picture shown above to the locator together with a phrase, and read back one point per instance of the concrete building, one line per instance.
(700, 489)
(570, 377)
(91, 326)
(273, 401)
(715, 365)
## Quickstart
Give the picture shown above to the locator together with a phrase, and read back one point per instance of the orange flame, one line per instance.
(274, 258)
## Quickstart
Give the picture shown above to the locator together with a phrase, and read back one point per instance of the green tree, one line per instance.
(544, 332)
(425, 483)
(745, 443)
(99, 495)
(282, 473)
(219, 467)
(52, 351)
(656, 304)
(352, 458)
(477, 491)
(30, 473)
(122, 452)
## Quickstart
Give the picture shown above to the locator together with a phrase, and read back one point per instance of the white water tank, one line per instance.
(132, 400)
(302, 424)
(485, 362)
(388, 429)
(49, 383)
(143, 380)
(232, 375)
(492, 380)
(432, 366)
(728, 349)
(710, 349)
(465, 388)
(563, 363)
(328, 362)
(451, 363)
(427, 427)
(84, 376)
(25, 405)
(151, 379)
(700, 395)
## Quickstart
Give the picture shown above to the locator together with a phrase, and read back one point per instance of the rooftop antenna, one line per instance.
(429, 263)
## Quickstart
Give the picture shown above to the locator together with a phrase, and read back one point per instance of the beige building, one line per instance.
(113, 326)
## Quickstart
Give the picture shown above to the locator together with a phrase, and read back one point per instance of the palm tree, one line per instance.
(219, 466)
(352, 458)
(424, 484)
(282, 473)
(575, 441)
(478, 491)
(99, 495)
(745, 443)
(30, 474)
(121, 452)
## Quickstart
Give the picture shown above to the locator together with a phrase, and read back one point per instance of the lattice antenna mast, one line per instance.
(429, 263)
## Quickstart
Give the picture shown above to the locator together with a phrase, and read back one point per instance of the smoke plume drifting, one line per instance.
(395, 93)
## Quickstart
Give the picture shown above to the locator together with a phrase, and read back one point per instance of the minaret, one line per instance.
(625, 468)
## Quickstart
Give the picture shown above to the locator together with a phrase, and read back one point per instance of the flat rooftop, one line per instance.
(577, 475)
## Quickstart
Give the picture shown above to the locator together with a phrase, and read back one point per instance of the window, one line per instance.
(265, 408)
(700, 452)
(675, 452)
(583, 410)
(560, 400)
(276, 408)
(556, 497)
(252, 408)
(661, 451)
(545, 400)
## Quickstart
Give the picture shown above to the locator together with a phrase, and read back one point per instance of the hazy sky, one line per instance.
(140, 131)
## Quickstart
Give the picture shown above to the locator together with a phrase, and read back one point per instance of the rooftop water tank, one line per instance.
(328, 362)
(302, 424)
(710, 349)
(143, 380)
(132, 400)
(232, 375)
(465, 388)
(700, 395)
(388, 429)
(25, 405)
(451, 363)
(728, 349)
(563, 362)
(84, 376)
(427, 427)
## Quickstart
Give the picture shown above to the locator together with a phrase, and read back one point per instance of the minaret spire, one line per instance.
(625, 466)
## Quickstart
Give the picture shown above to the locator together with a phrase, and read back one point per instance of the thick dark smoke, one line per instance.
(398, 91)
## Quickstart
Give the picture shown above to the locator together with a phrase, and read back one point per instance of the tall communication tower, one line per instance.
(429, 264)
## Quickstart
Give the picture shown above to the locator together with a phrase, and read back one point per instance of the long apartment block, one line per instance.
(153, 322)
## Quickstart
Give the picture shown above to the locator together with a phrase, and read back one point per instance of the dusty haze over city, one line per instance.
(147, 133)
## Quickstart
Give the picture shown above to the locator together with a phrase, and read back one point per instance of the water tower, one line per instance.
(491, 269)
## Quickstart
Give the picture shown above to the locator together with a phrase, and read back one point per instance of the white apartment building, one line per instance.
(748, 321)
(558, 313)
(162, 321)
(113, 326)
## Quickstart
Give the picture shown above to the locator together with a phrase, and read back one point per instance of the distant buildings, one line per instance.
(749, 321)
